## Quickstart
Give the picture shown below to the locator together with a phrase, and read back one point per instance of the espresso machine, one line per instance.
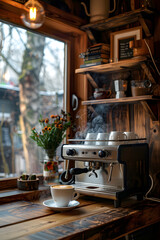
(110, 171)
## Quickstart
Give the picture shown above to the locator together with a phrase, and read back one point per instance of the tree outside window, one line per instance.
(31, 84)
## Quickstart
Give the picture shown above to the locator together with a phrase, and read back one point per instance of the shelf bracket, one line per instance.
(90, 36)
(144, 26)
(147, 72)
(91, 80)
(148, 109)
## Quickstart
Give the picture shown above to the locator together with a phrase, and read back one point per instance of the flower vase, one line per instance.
(50, 169)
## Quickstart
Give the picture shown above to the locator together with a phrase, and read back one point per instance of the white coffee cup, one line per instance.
(130, 136)
(90, 136)
(63, 194)
(115, 136)
(101, 137)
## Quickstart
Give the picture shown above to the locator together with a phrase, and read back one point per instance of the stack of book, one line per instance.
(95, 55)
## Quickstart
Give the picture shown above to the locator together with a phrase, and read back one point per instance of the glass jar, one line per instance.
(141, 87)
(50, 169)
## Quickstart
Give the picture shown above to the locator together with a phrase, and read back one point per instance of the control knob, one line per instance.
(103, 153)
(71, 152)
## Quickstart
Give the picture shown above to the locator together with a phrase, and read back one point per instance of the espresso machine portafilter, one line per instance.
(112, 172)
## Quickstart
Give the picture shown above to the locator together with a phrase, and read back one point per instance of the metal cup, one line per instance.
(120, 88)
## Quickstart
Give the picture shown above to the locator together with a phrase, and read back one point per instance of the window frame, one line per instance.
(63, 27)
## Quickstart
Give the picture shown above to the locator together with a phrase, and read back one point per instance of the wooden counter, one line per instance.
(94, 218)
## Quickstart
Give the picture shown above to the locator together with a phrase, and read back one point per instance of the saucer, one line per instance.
(51, 204)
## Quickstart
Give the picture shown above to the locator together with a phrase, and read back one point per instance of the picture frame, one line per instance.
(120, 43)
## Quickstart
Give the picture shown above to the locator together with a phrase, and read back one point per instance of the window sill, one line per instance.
(12, 195)
(10, 183)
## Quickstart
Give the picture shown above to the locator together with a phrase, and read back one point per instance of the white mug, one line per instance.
(90, 136)
(101, 137)
(130, 136)
(116, 135)
(63, 194)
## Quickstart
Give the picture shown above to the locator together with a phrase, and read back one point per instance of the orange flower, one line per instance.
(56, 121)
(52, 131)
(60, 126)
(42, 120)
(46, 120)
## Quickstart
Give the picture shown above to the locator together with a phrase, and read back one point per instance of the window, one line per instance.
(65, 28)
(31, 84)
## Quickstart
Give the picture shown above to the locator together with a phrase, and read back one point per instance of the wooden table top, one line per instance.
(93, 217)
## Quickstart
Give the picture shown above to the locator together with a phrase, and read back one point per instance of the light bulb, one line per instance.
(33, 14)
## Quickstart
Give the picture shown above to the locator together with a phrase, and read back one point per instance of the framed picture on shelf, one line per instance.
(120, 43)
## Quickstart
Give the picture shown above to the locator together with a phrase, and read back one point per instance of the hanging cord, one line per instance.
(151, 56)
(150, 186)
(151, 198)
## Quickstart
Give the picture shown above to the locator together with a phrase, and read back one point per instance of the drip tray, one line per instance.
(97, 190)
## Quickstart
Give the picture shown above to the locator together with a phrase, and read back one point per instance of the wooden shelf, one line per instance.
(119, 20)
(144, 100)
(121, 100)
(115, 66)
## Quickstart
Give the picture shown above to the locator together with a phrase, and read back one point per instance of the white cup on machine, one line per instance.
(101, 139)
(130, 136)
(117, 137)
(90, 136)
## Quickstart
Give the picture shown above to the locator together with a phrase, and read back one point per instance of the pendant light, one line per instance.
(33, 14)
